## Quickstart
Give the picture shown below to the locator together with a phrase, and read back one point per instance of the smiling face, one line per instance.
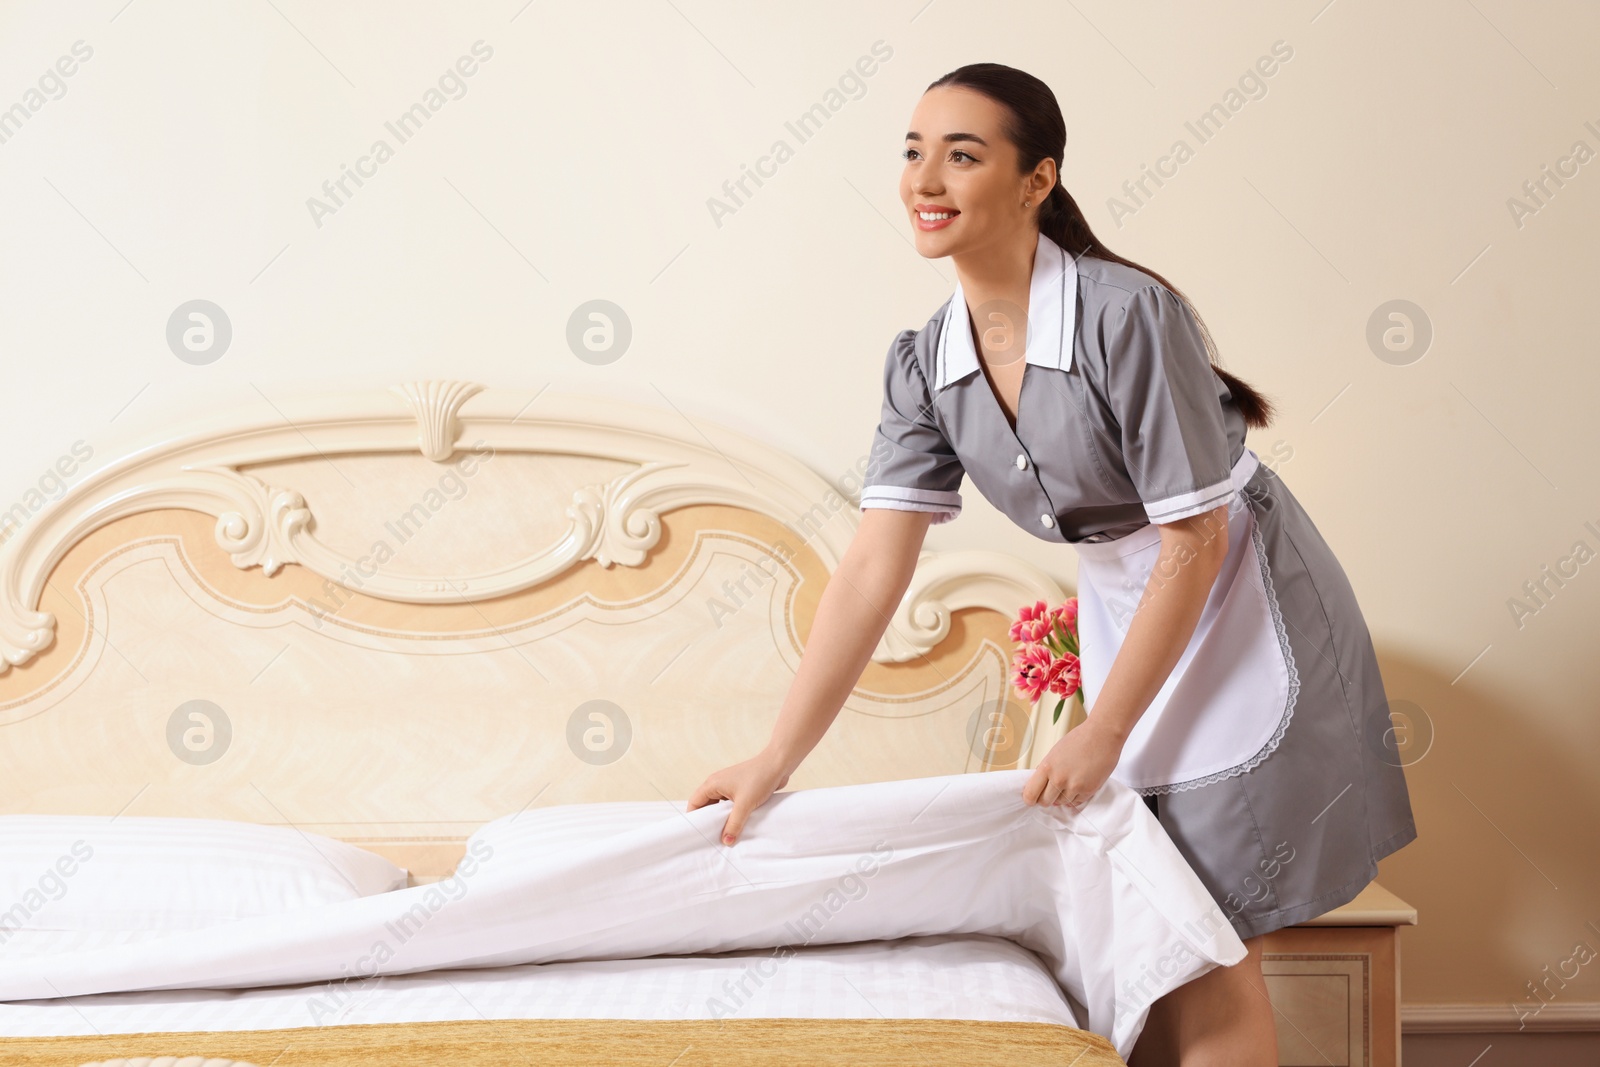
(960, 163)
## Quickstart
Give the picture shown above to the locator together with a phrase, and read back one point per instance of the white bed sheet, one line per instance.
(933, 977)
(1101, 895)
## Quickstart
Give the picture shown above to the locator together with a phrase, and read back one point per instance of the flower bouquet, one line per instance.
(1048, 658)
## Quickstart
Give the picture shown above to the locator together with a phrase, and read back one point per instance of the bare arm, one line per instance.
(851, 617)
(1191, 556)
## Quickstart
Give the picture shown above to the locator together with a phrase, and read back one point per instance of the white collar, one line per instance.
(1052, 318)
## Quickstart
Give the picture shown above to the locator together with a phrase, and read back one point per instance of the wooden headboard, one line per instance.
(390, 617)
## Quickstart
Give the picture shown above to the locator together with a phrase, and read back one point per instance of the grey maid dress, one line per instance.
(1267, 755)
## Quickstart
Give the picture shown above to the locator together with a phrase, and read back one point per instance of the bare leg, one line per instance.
(1157, 1044)
(1221, 1019)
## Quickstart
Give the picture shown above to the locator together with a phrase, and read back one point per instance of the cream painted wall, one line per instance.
(177, 160)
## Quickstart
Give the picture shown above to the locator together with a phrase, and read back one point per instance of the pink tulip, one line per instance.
(1064, 676)
(1030, 667)
(1033, 623)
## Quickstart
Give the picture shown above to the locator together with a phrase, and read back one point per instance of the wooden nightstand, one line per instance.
(1335, 982)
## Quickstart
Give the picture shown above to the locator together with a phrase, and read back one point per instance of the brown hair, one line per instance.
(1034, 124)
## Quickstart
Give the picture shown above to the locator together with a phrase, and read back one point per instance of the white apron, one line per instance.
(1228, 700)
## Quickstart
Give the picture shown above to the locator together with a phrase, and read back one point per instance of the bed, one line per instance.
(388, 622)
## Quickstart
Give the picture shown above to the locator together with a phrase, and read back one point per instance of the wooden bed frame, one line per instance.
(369, 616)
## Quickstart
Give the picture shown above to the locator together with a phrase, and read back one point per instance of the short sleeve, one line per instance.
(911, 466)
(1164, 394)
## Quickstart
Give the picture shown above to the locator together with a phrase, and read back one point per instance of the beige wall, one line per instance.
(1377, 165)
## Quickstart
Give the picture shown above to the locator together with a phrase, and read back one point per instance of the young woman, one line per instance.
(1231, 677)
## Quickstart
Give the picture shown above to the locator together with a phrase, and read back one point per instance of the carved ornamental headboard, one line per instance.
(392, 616)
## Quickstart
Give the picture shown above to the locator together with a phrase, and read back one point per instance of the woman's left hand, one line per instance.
(1075, 768)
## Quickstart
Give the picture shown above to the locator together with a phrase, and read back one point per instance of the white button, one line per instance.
(1048, 519)
(1022, 462)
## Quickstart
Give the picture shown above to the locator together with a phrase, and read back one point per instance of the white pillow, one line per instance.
(76, 872)
(537, 830)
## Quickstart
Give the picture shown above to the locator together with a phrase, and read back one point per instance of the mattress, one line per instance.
(937, 977)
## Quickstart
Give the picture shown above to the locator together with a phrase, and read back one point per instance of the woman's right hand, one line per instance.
(747, 784)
